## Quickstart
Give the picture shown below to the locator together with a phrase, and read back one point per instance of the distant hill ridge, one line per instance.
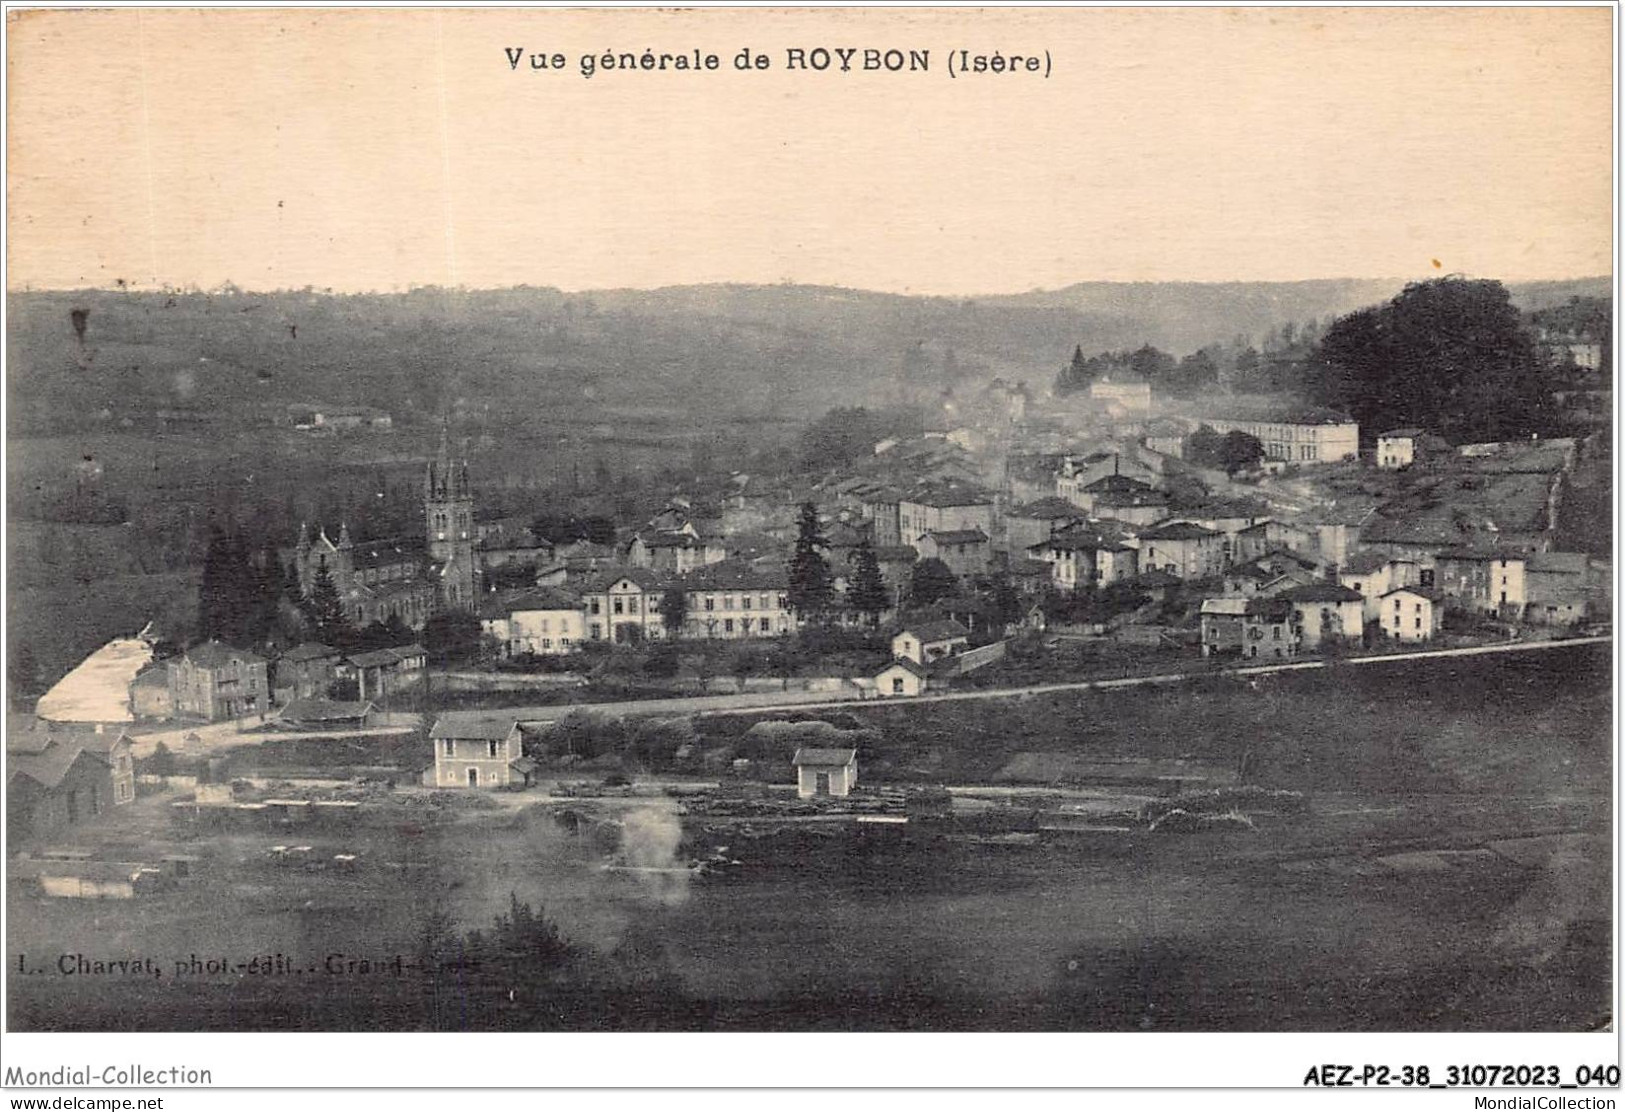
(740, 349)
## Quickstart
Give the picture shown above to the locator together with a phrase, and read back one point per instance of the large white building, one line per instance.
(1303, 436)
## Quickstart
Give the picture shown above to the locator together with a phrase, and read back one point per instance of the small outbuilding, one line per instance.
(829, 773)
(902, 677)
(930, 641)
(316, 714)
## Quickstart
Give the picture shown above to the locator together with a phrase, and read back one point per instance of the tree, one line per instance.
(1004, 601)
(674, 610)
(811, 585)
(1239, 451)
(1076, 375)
(22, 675)
(451, 635)
(1153, 365)
(325, 609)
(1205, 447)
(931, 580)
(867, 591)
(1198, 371)
(1451, 355)
(229, 592)
(1245, 375)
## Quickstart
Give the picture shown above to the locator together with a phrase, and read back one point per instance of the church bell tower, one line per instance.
(448, 517)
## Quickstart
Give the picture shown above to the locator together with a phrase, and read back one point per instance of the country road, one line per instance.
(758, 701)
(218, 737)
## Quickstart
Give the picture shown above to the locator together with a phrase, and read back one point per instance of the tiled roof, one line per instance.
(732, 575)
(216, 654)
(1047, 509)
(928, 632)
(310, 650)
(1423, 592)
(324, 710)
(1177, 531)
(472, 725)
(906, 665)
(824, 758)
(1321, 592)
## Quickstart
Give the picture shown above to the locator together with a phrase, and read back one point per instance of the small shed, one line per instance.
(902, 677)
(928, 641)
(825, 772)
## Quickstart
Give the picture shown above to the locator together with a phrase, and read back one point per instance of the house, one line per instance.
(543, 622)
(1374, 574)
(1028, 576)
(214, 681)
(1132, 507)
(1269, 535)
(965, 551)
(1223, 622)
(307, 671)
(57, 777)
(1166, 436)
(738, 600)
(1411, 613)
(942, 505)
(1122, 394)
(675, 551)
(1559, 588)
(623, 605)
(1182, 548)
(1253, 628)
(825, 773)
(1271, 574)
(902, 677)
(1327, 613)
(473, 750)
(1482, 580)
(1081, 558)
(1400, 448)
(1033, 522)
(1084, 495)
(316, 714)
(381, 671)
(149, 694)
(504, 545)
(928, 641)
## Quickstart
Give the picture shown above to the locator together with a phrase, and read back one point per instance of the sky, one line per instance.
(378, 150)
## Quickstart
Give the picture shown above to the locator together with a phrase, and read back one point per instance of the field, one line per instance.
(1451, 872)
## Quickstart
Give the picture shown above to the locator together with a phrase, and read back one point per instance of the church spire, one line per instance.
(344, 535)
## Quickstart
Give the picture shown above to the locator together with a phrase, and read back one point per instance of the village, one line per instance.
(991, 633)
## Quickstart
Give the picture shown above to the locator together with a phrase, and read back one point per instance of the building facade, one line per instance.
(213, 681)
(477, 751)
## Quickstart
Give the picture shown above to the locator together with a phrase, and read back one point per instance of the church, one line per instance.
(403, 577)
